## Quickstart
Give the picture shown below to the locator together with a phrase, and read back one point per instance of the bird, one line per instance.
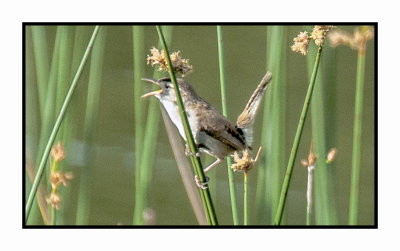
(213, 133)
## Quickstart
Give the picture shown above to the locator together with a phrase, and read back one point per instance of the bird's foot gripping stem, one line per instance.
(189, 153)
(199, 183)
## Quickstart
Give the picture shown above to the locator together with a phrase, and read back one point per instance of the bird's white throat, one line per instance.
(173, 113)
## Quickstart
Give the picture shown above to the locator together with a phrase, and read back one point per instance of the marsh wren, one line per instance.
(213, 133)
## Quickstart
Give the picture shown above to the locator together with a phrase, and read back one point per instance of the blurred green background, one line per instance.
(110, 181)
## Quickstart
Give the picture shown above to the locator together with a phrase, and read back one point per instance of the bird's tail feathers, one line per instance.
(246, 119)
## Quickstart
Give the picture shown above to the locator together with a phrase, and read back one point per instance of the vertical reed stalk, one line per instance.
(138, 71)
(210, 211)
(64, 76)
(146, 163)
(225, 113)
(63, 65)
(293, 153)
(148, 136)
(89, 127)
(325, 211)
(42, 65)
(273, 129)
(57, 125)
(357, 132)
(47, 111)
(274, 122)
(53, 211)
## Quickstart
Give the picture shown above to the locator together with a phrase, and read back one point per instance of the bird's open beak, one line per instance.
(153, 92)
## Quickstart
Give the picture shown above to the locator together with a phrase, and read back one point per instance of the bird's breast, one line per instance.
(173, 113)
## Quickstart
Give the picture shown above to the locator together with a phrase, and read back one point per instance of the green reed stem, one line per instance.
(325, 211)
(138, 71)
(143, 170)
(64, 77)
(146, 140)
(293, 153)
(206, 197)
(47, 113)
(357, 132)
(145, 165)
(90, 124)
(57, 125)
(225, 113)
(64, 64)
(273, 132)
(308, 218)
(53, 212)
(42, 65)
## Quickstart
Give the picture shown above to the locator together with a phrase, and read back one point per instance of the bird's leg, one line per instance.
(197, 180)
(213, 164)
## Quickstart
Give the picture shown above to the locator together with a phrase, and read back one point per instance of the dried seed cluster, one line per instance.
(57, 177)
(179, 64)
(302, 41)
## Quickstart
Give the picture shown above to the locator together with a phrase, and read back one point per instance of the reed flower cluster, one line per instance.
(357, 41)
(179, 64)
(302, 41)
(245, 162)
(57, 177)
